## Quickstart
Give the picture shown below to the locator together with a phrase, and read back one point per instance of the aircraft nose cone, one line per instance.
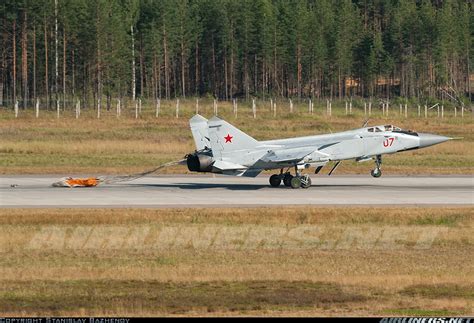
(428, 139)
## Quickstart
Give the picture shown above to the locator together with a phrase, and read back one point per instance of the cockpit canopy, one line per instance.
(388, 127)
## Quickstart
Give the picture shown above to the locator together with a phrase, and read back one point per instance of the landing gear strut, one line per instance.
(378, 163)
(297, 181)
(303, 181)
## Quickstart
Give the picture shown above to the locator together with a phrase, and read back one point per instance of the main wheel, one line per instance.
(295, 182)
(305, 181)
(275, 180)
(287, 179)
(376, 173)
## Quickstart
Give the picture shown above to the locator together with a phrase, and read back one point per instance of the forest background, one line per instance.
(95, 51)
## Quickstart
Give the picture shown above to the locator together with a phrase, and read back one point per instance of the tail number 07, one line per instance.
(388, 142)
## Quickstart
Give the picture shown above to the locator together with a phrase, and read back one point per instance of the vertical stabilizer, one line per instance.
(225, 138)
(200, 131)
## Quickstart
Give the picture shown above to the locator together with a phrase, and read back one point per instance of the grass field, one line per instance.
(358, 274)
(110, 145)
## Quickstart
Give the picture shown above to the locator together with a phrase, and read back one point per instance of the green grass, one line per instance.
(422, 312)
(168, 297)
(449, 220)
(440, 291)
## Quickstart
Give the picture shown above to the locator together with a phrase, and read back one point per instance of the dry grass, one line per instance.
(446, 216)
(187, 280)
(111, 145)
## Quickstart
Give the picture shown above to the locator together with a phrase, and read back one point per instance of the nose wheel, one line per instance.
(377, 172)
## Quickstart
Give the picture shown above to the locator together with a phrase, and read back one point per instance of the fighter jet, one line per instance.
(223, 149)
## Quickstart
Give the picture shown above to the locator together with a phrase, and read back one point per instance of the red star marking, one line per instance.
(228, 138)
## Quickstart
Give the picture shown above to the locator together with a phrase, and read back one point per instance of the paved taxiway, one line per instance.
(210, 191)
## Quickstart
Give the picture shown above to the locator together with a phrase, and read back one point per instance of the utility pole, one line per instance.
(133, 65)
(56, 75)
(14, 63)
(24, 59)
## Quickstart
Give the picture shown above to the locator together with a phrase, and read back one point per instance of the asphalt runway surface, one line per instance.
(223, 191)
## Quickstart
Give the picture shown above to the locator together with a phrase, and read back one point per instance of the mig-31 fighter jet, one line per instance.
(223, 149)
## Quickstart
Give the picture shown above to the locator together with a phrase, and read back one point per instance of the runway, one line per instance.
(222, 191)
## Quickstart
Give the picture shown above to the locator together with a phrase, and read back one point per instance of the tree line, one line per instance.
(96, 50)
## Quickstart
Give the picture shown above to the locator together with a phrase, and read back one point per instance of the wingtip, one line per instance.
(215, 118)
(197, 118)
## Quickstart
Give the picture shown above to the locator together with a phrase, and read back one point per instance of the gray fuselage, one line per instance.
(358, 144)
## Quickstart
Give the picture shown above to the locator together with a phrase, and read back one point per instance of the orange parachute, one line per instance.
(94, 181)
(78, 182)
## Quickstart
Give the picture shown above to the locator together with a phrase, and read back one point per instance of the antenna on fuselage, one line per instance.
(366, 122)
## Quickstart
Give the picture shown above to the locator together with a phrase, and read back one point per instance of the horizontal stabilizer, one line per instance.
(223, 165)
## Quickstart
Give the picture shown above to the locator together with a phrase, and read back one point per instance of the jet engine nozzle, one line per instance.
(199, 162)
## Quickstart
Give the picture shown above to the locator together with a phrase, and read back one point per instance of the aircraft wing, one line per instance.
(287, 155)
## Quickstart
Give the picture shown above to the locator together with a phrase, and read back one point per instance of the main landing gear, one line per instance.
(378, 163)
(297, 181)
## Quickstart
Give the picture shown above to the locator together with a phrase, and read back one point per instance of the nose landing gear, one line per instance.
(376, 173)
(378, 163)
